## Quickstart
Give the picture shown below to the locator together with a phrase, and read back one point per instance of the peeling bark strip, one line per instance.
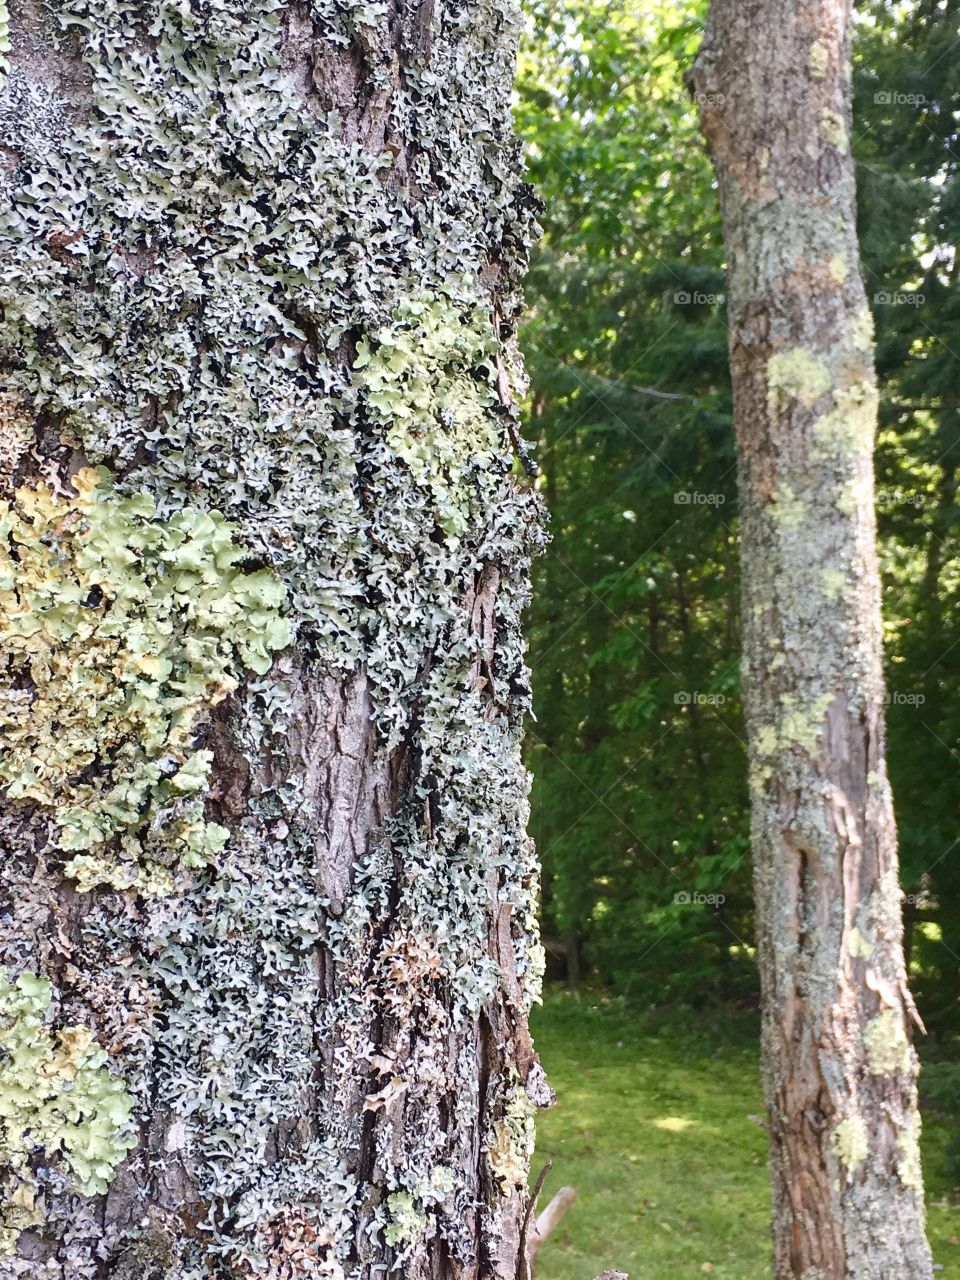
(268, 935)
(773, 84)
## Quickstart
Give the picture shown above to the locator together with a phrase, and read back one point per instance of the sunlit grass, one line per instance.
(658, 1128)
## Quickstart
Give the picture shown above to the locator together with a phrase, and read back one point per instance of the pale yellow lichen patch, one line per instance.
(796, 374)
(766, 740)
(786, 509)
(862, 330)
(908, 1155)
(834, 130)
(511, 1147)
(818, 60)
(118, 628)
(57, 1095)
(839, 268)
(802, 722)
(887, 1046)
(858, 946)
(429, 378)
(849, 427)
(834, 582)
(849, 1141)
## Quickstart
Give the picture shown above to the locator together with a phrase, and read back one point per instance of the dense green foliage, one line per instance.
(640, 798)
(640, 803)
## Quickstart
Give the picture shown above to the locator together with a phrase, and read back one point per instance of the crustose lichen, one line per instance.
(118, 631)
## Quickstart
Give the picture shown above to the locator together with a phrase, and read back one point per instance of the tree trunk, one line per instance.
(772, 82)
(268, 920)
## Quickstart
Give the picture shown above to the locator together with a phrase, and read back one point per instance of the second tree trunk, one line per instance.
(772, 82)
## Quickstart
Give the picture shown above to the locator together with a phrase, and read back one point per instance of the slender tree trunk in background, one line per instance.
(268, 927)
(772, 81)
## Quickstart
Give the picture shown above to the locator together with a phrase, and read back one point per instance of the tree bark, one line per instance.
(268, 919)
(773, 85)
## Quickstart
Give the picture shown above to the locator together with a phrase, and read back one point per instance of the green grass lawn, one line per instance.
(653, 1127)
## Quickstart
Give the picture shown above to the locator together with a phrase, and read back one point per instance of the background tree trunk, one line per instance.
(269, 927)
(772, 83)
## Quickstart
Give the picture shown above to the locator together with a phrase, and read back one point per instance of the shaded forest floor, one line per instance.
(657, 1128)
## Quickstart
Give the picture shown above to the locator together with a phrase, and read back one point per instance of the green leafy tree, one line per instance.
(640, 792)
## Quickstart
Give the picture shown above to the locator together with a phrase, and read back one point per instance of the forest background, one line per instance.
(640, 804)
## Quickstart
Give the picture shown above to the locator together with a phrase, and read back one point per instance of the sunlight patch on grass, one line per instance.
(673, 1124)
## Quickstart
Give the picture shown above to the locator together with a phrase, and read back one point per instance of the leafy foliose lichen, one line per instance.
(194, 240)
(407, 1222)
(427, 377)
(118, 631)
(57, 1099)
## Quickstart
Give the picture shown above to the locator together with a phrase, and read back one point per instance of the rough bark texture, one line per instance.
(773, 84)
(268, 940)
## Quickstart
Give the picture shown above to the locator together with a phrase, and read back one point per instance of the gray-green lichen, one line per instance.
(57, 1097)
(245, 289)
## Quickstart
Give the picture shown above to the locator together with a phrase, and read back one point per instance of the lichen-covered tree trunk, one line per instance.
(773, 84)
(268, 941)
